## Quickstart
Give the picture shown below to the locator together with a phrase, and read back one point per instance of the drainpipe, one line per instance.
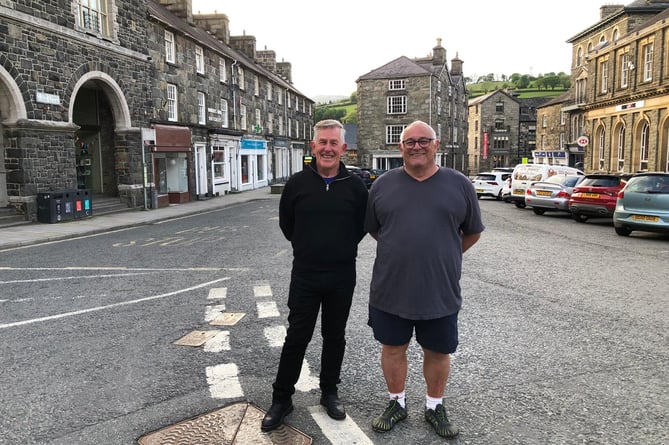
(234, 96)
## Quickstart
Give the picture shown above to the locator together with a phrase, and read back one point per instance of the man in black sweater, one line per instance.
(321, 212)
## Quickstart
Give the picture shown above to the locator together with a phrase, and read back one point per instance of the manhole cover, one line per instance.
(236, 424)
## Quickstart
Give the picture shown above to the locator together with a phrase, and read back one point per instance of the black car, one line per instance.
(362, 173)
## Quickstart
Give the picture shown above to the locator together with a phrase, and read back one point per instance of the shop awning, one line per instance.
(172, 138)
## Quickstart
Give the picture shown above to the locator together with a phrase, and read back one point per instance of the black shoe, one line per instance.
(275, 415)
(394, 413)
(333, 406)
(439, 421)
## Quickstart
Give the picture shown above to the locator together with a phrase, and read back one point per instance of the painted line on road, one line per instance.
(140, 269)
(213, 312)
(339, 432)
(275, 335)
(220, 342)
(267, 309)
(79, 277)
(110, 306)
(262, 291)
(217, 293)
(223, 381)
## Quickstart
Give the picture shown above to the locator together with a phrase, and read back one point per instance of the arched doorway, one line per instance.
(12, 108)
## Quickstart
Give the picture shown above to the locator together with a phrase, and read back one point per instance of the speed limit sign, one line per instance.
(582, 141)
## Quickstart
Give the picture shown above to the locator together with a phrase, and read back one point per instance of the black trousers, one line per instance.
(332, 293)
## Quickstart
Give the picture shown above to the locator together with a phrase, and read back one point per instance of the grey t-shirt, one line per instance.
(419, 248)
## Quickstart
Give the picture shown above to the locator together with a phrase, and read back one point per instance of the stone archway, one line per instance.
(99, 110)
(12, 108)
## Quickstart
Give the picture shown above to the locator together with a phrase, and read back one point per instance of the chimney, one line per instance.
(607, 10)
(438, 54)
(456, 66)
(245, 44)
(217, 24)
(180, 8)
(267, 58)
(283, 69)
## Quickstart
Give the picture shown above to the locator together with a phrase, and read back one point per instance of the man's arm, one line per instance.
(469, 240)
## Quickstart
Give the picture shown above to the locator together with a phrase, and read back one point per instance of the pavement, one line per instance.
(34, 233)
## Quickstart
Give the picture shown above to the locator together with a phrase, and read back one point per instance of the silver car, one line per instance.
(643, 204)
(552, 194)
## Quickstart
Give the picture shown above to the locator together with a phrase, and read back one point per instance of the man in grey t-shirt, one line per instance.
(424, 218)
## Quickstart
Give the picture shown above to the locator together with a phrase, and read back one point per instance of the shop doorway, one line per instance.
(94, 141)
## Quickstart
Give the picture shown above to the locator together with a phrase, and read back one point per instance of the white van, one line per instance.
(525, 174)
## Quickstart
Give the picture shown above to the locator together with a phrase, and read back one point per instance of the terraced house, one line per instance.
(616, 115)
(142, 101)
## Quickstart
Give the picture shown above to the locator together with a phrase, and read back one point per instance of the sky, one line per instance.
(330, 44)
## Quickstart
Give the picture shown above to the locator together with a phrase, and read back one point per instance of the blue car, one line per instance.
(643, 204)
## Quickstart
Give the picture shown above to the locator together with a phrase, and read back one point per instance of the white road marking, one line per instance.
(213, 312)
(339, 432)
(217, 293)
(39, 280)
(275, 335)
(220, 342)
(307, 381)
(110, 306)
(223, 381)
(262, 291)
(267, 309)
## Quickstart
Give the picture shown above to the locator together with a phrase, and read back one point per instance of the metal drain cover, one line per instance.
(236, 424)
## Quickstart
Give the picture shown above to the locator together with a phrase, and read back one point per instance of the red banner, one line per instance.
(485, 146)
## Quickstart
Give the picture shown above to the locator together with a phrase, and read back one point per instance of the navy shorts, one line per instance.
(438, 335)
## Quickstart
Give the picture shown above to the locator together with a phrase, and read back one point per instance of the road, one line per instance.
(563, 334)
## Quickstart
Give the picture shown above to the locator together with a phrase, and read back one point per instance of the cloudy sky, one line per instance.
(331, 44)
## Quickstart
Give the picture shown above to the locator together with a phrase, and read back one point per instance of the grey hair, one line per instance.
(330, 123)
(414, 123)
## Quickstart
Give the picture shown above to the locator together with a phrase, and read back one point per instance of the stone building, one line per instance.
(130, 99)
(617, 115)
(405, 90)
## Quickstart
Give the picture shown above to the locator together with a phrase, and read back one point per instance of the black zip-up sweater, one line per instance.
(324, 223)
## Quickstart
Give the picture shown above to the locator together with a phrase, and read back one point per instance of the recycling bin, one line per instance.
(55, 206)
(83, 204)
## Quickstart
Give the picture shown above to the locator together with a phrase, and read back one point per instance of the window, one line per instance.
(270, 123)
(563, 117)
(171, 102)
(579, 56)
(280, 96)
(397, 84)
(256, 86)
(397, 104)
(269, 91)
(260, 167)
(499, 107)
(643, 164)
(281, 130)
(393, 133)
(647, 51)
(199, 59)
(290, 128)
(258, 126)
(169, 47)
(600, 148)
(439, 85)
(288, 101)
(604, 76)
(242, 117)
(93, 15)
(222, 71)
(240, 78)
(438, 104)
(544, 122)
(201, 109)
(218, 164)
(224, 113)
(624, 70)
(621, 148)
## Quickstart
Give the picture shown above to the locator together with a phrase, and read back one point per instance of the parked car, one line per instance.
(362, 173)
(552, 194)
(595, 196)
(525, 174)
(506, 190)
(375, 173)
(490, 184)
(643, 204)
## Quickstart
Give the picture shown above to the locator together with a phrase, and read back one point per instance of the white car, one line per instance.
(490, 184)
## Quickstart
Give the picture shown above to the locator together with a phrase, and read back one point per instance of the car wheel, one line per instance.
(623, 231)
(538, 211)
(520, 205)
(478, 196)
(499, 196)
(579, 217)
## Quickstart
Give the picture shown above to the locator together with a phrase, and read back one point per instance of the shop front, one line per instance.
(171, 164)
(252, 164)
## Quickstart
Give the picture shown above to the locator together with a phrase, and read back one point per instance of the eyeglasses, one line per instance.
(411, 143)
